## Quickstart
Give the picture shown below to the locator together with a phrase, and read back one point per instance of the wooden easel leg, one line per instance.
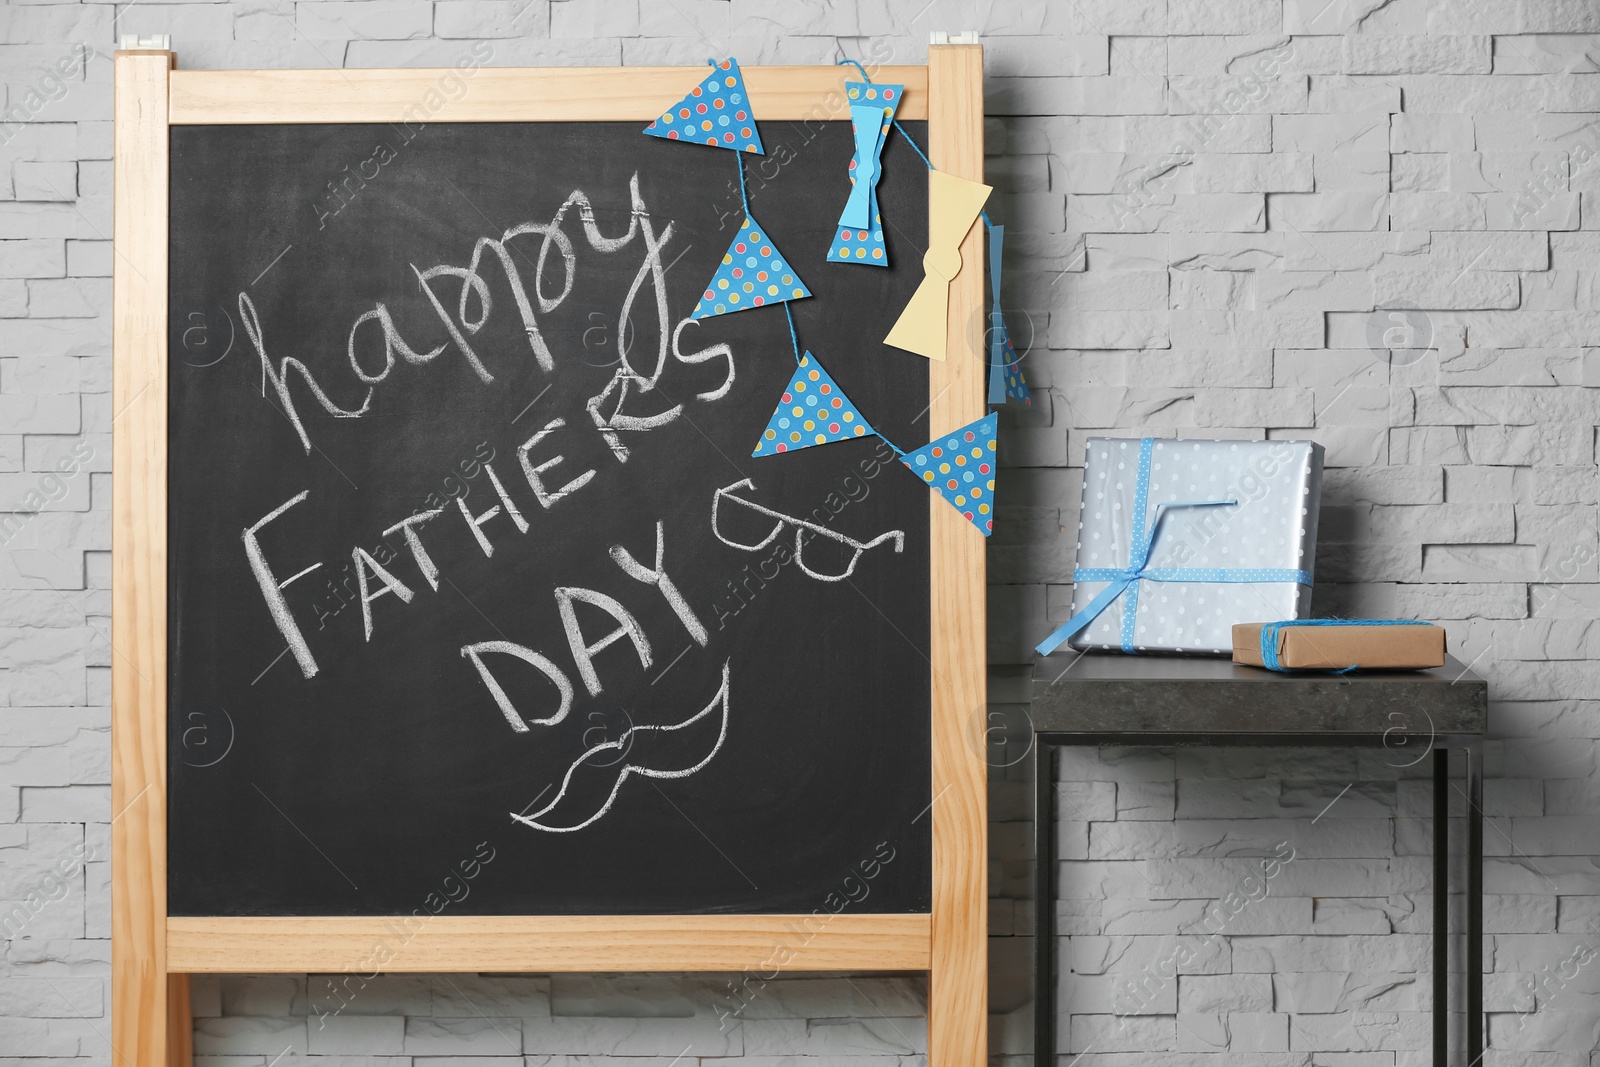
(958, 988)
(180, 1023)
(139, 986)
(138, 1014)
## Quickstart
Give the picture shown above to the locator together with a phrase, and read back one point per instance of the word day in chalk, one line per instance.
(374, 581)
(401, 573)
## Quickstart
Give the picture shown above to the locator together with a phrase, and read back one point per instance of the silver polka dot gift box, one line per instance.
(1179, 540)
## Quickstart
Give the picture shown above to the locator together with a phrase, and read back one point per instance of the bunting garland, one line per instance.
(753, 273)
(1010, 370)
(1005, 370)
(953, 206)
(716, 112)
(813, 410)
(860, 235)
(959, 466)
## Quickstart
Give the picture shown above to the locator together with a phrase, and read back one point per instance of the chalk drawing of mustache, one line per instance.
(599, 761)
(801, 527)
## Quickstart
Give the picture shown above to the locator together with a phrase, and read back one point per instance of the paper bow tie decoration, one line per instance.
(753, 273)
(960, 466)
(716, 112)
(860, 235)
(953, 206)
(812, 411)
(1005, 373)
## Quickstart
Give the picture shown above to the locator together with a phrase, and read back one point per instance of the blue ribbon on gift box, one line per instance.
(1127, 579)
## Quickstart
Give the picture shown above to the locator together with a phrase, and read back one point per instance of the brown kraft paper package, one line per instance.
(1337, 647)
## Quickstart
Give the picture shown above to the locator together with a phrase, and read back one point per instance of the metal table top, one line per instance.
(1112, 697)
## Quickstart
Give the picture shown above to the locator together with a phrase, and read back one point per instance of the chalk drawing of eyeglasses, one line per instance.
(801, 529)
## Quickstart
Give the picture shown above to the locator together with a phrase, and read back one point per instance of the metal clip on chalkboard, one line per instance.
(155, 42)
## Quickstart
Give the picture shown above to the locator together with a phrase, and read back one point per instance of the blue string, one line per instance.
(794, 339)
(864, 75)
(1270, 631)
(738, 158)
(902, 131)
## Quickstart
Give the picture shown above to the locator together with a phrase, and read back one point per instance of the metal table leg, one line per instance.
(1474, 975)
(1044, 954)
(1441, 907)
(1044, 906)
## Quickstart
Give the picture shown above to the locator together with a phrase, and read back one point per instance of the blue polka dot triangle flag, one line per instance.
(716, 112)
(859, 238)
(753, 273)
(861, 246)
(960, 466)
(812, 411)
(1008, 369)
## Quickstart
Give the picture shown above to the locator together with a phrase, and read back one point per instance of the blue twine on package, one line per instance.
(1270, 631)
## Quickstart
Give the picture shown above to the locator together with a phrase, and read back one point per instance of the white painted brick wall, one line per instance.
(1436, 153)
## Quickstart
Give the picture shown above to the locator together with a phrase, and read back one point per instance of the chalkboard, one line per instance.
(754, 733)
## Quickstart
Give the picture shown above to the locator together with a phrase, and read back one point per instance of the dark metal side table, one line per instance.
(1163, 701)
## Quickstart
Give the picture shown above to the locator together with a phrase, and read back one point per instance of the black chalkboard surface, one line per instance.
(753, 730)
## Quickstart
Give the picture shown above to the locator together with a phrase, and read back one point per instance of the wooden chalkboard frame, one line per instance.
(152, 953)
